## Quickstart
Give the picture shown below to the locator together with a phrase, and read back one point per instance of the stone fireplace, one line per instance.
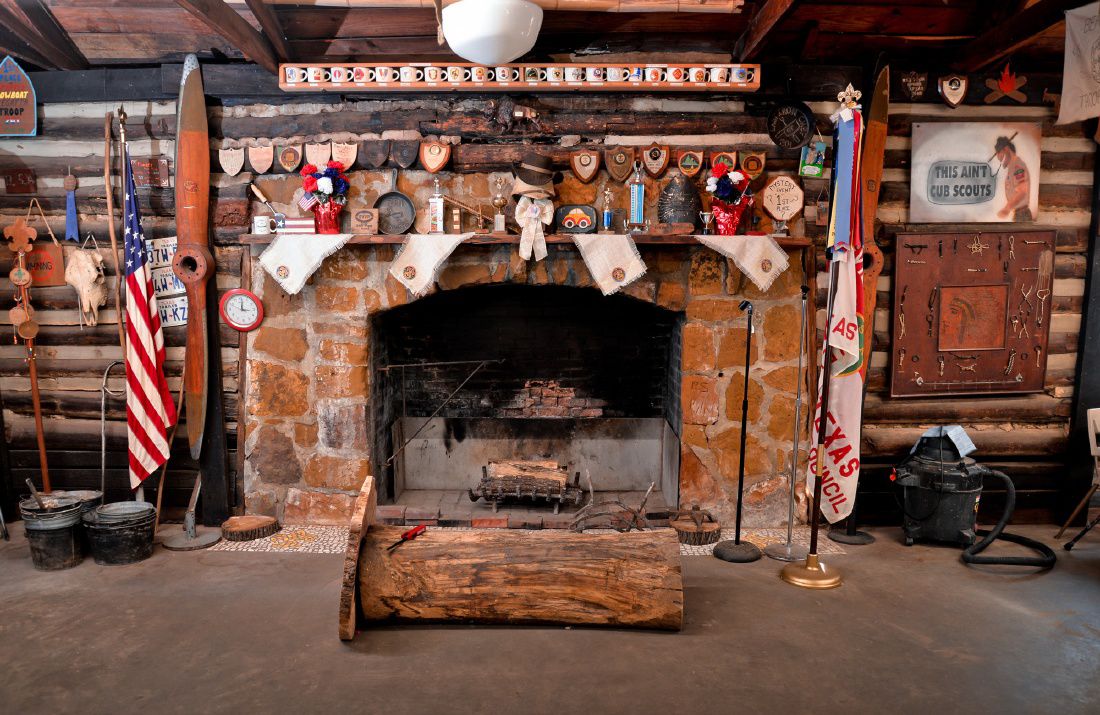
(635, 388)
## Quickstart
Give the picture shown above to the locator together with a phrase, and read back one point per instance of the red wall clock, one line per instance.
(241, 309)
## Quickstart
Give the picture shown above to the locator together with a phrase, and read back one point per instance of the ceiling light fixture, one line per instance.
(491, 32)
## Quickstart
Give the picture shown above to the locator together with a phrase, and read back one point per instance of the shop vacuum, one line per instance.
(941, 488)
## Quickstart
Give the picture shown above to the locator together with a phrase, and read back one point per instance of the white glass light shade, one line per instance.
(491, 32)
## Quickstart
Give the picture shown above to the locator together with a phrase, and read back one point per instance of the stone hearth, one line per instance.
(309, 438)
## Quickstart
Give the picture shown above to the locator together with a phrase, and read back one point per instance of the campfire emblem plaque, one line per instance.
(690, 163)
(585, 165)
(290, 157)
(752, 164)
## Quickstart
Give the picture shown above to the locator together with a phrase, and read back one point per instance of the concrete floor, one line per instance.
(911, 631)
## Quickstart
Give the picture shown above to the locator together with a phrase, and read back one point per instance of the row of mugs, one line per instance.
(504, 74)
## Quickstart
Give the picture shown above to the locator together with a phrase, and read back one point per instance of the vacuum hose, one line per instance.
(970, 554)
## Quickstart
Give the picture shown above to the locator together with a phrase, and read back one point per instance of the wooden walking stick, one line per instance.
(21, 235)
(107, 121)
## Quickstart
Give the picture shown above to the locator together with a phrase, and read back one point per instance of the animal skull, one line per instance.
(84, 272)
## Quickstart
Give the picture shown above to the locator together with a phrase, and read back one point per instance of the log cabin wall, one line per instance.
(1025, 435)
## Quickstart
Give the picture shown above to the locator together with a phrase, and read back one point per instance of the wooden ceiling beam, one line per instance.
(692, 6)
(1015, 32)
(228, 23)
(10, 44)
(36, 28)
(770, 14)
(273, 29)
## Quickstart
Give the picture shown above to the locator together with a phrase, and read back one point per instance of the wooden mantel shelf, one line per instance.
(492, 239)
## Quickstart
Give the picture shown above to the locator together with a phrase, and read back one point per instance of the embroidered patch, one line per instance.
(409, 272)
(282, 271)
(766, 265)
(618, 274)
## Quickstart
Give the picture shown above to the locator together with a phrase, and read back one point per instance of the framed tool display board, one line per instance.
(971, 312)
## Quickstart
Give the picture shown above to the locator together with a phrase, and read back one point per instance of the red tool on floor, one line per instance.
(408, 536)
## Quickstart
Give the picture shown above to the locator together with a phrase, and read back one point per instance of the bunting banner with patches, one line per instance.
(613, 260)
(760, 258)
(291, 260)
(655, 160)
(1081, 65)
(752, 164)
(619, 161)
(231, 160)
(434, 155)
(418, 262)
(290, 157)
(260, 158)
(318, 154)
(841, 469)
(690, 163)
(345, 154)
(585, 164)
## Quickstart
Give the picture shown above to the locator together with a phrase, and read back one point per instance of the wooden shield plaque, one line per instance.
(728, 158)
(752, 164)
(290, 157)
(318, 154)
(345, 154)
(18, 110)
(585, 164)
(619, 161)
(690, 163)
(655, 160)
(434, 155)
(404, 152)
(374, 153)
(231, 160)
(260, 158)
(953, 89)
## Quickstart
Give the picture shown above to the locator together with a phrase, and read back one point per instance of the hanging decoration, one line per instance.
(655, 160)
(532, 215)
(418, 262)
(434, 155)
(290, 157)
(953, 89)
(290, 260)
(1007, 85)
(760, 258)
(318, 154)
(585, 164)
(84, 272)
(231, 160)
(345, 153)
(690, 163)
(18, 102)
(613, 260)
(72, 221)
(260, 158)
(619, 161)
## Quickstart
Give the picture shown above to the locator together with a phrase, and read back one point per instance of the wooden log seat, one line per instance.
(519, 576)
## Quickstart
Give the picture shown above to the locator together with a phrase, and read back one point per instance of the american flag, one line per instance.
(149, 407)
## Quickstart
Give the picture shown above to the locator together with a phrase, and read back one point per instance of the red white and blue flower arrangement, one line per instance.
(326, 194)
(731, 197)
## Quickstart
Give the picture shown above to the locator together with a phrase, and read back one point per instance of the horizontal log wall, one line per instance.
(71, 358)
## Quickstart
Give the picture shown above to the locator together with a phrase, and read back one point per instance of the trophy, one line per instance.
(707, 218)
(499, 202)
(606, 212)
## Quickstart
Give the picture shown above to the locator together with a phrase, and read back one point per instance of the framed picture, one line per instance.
(974, 172)
(812, 162)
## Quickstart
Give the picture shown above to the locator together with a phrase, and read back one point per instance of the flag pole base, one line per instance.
(733, 552)
(203, 538)
(855, 538)
(811, 574)
(786, 552)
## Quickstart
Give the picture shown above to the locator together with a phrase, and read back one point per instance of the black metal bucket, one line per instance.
(53, 532)
(89, 499)
(119, 541)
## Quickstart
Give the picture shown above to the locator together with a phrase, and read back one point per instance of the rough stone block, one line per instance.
(342, 426)
(346, 265)
(276, 391)
(277, 302)
(458, 275)
(781, 325)
(727, 447)
(342, 473)
(390, 514)
(736, 391)
(305, 435)
(713, 310)
(705, 274)
(343, 352)
(731, 347)
(698, 347)
(781, 417)
(784, 378)
(310, 507)
(260, 501)
(337, 381)
(281, 343)
(335, 298)
(273, 458)
(671, 295)
(699, 399)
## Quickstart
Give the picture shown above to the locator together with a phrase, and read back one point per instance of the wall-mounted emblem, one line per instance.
(585, 164)
(18, 102)
(290, 157)
(655, 160)
(953, 89)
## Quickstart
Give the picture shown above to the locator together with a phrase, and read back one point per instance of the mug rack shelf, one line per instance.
(461, 77)
(491, 239)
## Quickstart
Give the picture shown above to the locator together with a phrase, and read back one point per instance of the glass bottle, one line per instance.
(435, 210)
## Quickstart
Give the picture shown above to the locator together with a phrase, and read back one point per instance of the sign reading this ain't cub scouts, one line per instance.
(18, 115)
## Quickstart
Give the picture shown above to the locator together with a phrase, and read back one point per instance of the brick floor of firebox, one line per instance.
(447, 507)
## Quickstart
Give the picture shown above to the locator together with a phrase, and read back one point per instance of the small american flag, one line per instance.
(149, 407)
(308, 201)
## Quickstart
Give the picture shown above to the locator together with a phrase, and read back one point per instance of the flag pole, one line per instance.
(812, 573)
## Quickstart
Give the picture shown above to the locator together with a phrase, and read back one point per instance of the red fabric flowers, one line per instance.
(719, 170)
(308, 169)
(309, 183)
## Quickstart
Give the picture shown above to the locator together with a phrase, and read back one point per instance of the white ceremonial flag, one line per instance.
(1081, 68)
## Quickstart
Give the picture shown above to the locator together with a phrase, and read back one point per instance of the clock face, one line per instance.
(241, 309)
